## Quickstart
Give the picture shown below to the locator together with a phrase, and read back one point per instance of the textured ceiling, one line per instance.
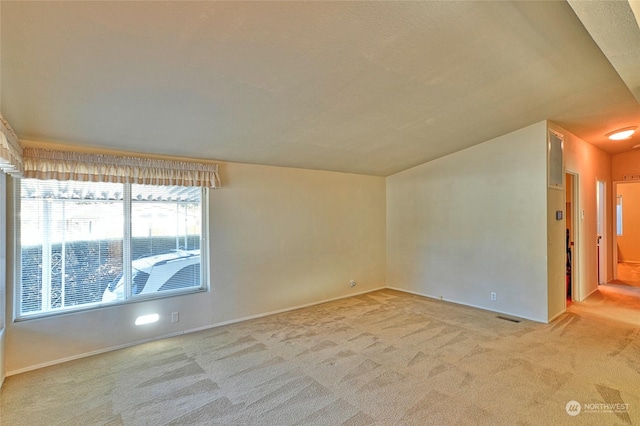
(613, 25)
(360, 87)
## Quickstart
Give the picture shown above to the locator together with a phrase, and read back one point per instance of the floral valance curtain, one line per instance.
(67, 165)
(10, 149)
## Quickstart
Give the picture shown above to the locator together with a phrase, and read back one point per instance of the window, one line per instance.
(86, 244)
(619, 215)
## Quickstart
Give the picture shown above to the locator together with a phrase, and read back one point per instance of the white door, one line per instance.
(601, 232)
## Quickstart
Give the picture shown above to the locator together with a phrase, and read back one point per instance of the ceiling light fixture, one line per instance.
(620, 134)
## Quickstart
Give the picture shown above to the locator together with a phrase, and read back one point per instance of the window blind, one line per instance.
(86, 244)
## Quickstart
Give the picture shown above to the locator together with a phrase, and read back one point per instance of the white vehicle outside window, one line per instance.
(164, 272)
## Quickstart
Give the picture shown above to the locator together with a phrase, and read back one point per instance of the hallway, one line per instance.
(614, 301)
(628, 274)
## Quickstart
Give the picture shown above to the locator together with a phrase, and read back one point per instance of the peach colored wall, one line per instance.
(590, 164)
(629, 241)
(626, 166)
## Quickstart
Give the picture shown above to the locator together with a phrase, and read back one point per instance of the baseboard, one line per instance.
(266, 314)
(2, 346)
(589, 294)
(220, 324)
(439, 298)
(556, 316)
(91, 353)
(179, 333)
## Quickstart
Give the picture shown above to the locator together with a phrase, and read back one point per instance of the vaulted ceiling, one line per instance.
(360, 87)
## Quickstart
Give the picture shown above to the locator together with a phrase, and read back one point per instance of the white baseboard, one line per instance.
(233, 321)
(179, 333)
(91, 353)
(484, 308)
(2, 345)
(589, 294)
(556, 316)
(279, 311)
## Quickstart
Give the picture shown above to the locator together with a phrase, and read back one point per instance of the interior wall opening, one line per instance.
(572, 235)
(601, 238)
(626, 247)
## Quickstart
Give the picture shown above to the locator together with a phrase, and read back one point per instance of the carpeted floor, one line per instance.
(385, 358)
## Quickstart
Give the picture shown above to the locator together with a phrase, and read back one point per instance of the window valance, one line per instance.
(10, 149)
(67, 165)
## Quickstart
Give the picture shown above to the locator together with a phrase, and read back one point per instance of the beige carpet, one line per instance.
(386, 358)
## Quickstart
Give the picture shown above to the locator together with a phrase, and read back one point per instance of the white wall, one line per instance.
(280, 238)
(556, 253)
(3, 281)
(590, 164)
(3, 277)
(458, 227)
(3, 273)
(474, 222)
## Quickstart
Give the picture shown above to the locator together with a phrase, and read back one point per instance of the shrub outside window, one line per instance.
(87, 244)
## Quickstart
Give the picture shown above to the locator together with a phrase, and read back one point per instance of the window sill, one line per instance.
(99, 305)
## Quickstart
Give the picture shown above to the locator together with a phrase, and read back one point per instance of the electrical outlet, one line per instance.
(494, 296)
(352, 283)
(175, 317)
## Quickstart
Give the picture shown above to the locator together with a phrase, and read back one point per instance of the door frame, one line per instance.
(601, 229)
(576, 228)
(614, 233)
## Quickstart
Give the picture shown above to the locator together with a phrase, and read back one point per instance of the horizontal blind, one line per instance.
(71, 247)
(166, 226)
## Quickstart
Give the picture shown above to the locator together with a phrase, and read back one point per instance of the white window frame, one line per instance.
(129, 298)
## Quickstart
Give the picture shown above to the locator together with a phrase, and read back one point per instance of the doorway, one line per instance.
(601, 239)
(626, 238)
(572, 221)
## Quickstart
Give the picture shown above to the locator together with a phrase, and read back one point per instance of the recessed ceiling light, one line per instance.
(620, 134)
